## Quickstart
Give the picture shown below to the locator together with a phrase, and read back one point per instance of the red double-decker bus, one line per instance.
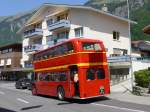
(76, 68)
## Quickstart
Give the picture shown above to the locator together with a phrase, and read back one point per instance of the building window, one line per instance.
(116, 35)
(37, 41)
(10, 50)
(119, 52)
(39, 25)
(8, 61)
(79, 32)
(50, 40)
(2, 62)
(116, 52)
(28, 64)
(4, 51)
(50, 21)
(63, 35)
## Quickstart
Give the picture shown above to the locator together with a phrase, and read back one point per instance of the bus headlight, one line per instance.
(102, 90)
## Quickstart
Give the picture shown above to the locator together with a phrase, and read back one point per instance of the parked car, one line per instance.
(29, 85)
(22, 83)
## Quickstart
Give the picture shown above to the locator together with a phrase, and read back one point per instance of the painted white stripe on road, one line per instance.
(115, 107)
(21, 100)
(2, 93)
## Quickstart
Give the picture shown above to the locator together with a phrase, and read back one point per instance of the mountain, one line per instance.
(139, 12)
(9, 25)
(111, 4)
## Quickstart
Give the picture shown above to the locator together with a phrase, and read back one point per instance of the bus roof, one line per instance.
(69, 40)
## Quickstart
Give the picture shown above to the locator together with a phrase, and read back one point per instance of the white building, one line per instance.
(54, 23)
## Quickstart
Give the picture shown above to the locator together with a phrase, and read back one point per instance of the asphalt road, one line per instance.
(12, 100)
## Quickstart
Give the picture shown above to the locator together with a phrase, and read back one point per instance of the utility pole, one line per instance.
(129, 24)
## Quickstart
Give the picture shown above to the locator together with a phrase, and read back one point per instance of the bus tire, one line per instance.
(34, 90)
(61, 93)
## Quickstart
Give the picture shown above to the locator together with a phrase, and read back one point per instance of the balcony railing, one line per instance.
(33, 32)
(28, 65)
(32, 48)
(59, 24)
(119, 59)
(142, 59)
(127, 58)
(1, 64)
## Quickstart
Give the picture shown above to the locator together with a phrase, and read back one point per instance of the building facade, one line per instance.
(10, 61)
(52, 24)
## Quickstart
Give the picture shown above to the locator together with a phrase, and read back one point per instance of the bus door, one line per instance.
(74, 81)
(39, 83)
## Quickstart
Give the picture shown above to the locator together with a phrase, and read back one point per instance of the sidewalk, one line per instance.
(129, 97)
(122, 93)
(7, 84)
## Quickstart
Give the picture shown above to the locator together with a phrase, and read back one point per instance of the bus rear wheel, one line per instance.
(61, 93)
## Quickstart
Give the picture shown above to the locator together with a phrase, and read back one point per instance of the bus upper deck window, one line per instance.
(91, 46)
(70, 48)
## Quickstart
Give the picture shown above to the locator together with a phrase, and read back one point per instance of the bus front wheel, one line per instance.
(61, 93)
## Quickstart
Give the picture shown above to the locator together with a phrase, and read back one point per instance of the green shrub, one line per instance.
(142, 78)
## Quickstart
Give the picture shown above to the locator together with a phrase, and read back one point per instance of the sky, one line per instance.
(11, 7)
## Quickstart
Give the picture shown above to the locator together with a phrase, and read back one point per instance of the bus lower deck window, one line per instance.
(100, 74)
(90, 74)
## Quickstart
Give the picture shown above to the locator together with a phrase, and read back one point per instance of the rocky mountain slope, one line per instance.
(9, 25)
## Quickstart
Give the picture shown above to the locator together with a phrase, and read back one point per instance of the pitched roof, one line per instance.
(147, 29)
(77, 7)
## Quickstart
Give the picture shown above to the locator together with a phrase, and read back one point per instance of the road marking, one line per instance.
(2, 93)
(21, 100)
(115, 107)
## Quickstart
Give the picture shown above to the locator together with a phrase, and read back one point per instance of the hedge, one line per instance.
(142, 78)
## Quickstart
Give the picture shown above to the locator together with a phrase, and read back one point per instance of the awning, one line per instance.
(17, 70)
(120, 65)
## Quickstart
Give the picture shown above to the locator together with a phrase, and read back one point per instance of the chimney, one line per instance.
(104, 8)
